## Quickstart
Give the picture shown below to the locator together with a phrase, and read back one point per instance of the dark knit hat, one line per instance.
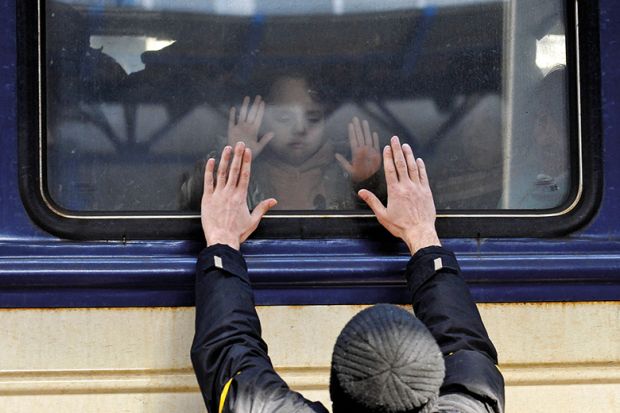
(385, 360)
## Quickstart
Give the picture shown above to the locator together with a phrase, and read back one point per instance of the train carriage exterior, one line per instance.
(97, 253)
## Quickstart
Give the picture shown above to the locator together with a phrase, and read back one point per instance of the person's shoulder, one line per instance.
(267, 392)
(462, 403)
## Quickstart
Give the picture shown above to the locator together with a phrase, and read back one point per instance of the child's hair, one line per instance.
(317, 89)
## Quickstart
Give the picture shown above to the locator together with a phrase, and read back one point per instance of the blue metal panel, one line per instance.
(8, 112)
(14, 222)
(342, 271)
(607, 224)
(40, 270)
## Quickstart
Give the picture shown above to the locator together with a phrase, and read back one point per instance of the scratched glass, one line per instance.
(138, 94)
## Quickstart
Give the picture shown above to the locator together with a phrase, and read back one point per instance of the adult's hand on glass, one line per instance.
(410, 213)
(365, 153)
(224, 212)
(244, 128)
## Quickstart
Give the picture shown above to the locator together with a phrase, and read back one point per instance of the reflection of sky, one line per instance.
(127, 50)
(551, 52)
(277, 7)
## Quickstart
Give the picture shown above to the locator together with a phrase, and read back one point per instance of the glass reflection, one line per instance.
(140, 93)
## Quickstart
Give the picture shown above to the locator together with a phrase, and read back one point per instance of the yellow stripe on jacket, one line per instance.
(224, 394)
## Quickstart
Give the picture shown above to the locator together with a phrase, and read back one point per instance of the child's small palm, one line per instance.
(245, 128)
(365, 162)
(365, 153)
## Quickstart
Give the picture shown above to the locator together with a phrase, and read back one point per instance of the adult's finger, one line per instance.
(261, 209)
(388, 167)
(222, 169)
(367, 134)
(235, 166)
(412, 168)
(346, 165)
(254, 109)
(243, 112)
(373, 202)
(422, 172)
(399, 158)
(208, 178)
(246, 167)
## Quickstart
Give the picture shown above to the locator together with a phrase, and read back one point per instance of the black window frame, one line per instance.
(583, 69)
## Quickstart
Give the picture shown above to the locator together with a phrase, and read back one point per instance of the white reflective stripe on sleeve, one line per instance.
(218, 261)
(438, 264)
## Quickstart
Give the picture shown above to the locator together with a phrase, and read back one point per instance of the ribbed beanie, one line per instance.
(385, 360)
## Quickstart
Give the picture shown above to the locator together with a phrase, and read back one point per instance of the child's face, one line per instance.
(296, 120)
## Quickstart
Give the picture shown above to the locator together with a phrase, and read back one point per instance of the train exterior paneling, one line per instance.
(106, 325)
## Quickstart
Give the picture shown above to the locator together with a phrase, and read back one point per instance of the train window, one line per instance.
(137, 94)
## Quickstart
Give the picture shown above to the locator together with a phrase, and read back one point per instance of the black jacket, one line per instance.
(230, 357)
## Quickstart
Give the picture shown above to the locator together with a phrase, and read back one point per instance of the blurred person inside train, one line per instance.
(541, 175)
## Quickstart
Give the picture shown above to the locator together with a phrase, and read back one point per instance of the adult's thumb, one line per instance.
(372, 201)
(261, 209)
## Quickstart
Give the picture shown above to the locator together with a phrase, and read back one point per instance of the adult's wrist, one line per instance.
(213, 239)
(421, 238)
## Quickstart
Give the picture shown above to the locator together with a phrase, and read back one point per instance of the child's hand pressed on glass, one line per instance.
(365, 153)
(244, 128)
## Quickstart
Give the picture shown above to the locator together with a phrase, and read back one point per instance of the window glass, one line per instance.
(140, 93)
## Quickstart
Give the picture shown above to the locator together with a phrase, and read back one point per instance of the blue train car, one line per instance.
(108, 108)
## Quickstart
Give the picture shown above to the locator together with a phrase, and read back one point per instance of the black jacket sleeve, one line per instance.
(227, 344)
(442, 301)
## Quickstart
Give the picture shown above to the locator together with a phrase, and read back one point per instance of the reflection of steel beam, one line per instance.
(457, 115)
(249, 55)
(416, 43)
(95, 116)
(130, 110)
(392, 123)
(98, 118)
(162, 131)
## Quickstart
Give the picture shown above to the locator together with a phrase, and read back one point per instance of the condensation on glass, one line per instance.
(138, 95)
